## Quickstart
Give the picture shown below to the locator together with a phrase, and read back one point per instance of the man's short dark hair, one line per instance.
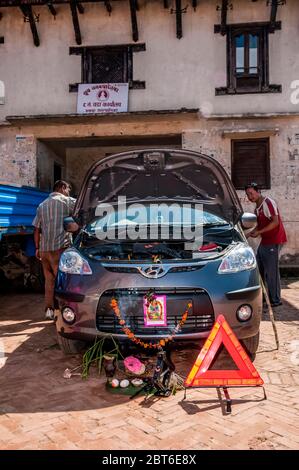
(252, 185)
(60, 184)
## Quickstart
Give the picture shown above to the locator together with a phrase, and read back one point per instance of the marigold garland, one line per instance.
(115, 307)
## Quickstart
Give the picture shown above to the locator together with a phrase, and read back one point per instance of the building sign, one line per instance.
(102, 98)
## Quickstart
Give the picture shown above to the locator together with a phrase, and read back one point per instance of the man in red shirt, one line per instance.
(271, 230)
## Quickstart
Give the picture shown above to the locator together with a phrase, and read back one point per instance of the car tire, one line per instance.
(69, 346)
(251, 345)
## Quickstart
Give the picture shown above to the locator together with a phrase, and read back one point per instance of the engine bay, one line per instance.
(214, 240)
(152, 251)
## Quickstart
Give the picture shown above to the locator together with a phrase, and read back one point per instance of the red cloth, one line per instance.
(208, 247)
(265, 213)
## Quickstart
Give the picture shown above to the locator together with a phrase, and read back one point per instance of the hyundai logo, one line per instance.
(154, 271)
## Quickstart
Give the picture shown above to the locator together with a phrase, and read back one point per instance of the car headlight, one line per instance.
(71, 262)
(240, 259)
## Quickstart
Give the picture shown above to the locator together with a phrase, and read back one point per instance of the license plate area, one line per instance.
(200, 317)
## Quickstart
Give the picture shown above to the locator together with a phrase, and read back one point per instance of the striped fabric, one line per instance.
(49, 218)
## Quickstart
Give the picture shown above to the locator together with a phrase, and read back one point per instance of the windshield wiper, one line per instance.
(216, 224)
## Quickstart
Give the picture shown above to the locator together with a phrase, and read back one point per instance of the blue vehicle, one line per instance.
(18, 265)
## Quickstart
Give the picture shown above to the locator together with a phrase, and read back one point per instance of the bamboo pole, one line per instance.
(271, 314)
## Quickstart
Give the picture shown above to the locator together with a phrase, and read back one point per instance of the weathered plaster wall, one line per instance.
(17, 157)
(46, 158)
(178, 73)
(197, 134)
(284, 164)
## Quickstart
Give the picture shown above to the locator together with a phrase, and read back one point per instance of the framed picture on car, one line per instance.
(155, 313)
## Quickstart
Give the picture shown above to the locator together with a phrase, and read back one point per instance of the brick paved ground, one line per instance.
(39, 409)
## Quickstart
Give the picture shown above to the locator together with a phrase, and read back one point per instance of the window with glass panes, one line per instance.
(248, 59)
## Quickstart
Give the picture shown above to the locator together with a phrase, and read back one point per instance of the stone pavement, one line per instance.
(39, 409)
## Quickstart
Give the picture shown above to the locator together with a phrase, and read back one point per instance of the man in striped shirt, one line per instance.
(50, 237)
(271, 230)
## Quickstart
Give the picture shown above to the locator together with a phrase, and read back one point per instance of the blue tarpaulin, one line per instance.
(17, 208)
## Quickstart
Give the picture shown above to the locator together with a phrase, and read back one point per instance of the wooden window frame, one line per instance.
(262, 30)
(267, 182)
(86, 55)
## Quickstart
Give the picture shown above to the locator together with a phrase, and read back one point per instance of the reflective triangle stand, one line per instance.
(227, 399)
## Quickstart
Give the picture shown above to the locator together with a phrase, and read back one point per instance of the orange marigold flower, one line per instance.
(131, 335)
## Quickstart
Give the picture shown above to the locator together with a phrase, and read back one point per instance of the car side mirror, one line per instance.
(70, 225)
(248, 220)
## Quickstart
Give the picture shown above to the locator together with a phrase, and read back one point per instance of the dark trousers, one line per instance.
(268, 262)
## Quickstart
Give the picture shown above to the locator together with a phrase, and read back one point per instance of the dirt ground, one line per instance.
(39, 409)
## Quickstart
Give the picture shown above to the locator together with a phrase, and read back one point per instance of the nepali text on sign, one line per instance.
(102, 98)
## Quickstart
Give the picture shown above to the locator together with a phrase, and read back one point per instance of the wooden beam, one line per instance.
(134, 20)
(178, 14)
(224, 9)
(108, 6)
(17, 3)
(52, 9)
(76, 24)
(29, 16)
(274, 5)
(80, 8)
(166, 3)
(194, 4)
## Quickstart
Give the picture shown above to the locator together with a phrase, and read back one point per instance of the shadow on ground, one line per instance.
(32, 374)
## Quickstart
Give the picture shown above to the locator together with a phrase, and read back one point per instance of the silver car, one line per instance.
(166, 223)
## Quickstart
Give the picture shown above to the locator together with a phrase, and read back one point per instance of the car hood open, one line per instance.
(158, 175)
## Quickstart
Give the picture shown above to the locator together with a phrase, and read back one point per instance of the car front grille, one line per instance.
(134, 270)
(200, 318)
(121, 269)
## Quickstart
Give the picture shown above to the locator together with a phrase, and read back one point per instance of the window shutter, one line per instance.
(250, 162)
(109, 66)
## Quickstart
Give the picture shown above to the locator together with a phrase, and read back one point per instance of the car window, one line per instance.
(155, 214)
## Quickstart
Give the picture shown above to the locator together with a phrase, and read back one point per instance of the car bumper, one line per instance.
(85, 308)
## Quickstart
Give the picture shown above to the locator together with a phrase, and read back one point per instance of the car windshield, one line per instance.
(171, 215)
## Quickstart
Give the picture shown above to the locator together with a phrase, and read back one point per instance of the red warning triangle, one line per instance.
(200, 376)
